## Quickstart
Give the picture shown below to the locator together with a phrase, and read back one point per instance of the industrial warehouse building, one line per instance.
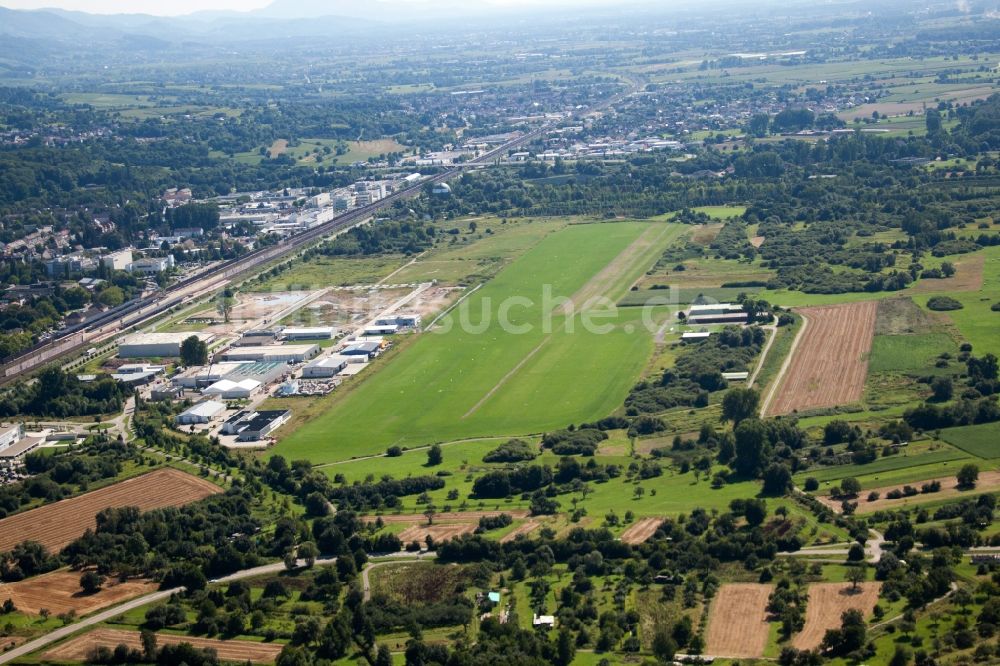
(387, 329)
(368, 350)
(227, 389)
(201, 377)
(315, 333)
(716, 313)
(263, 372)
(273, 353)
(400, 321)
(253, 426)
(256, 338)
(325, 368)
(138, 374)
(203, 412)
(157, 345)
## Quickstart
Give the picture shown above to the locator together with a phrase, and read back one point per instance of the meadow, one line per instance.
(479, 380)
(901, 353)
(887, 468)
(324, 271)
(976, 322)
(982, 441)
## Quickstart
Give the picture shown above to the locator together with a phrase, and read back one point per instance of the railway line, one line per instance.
(141, 311)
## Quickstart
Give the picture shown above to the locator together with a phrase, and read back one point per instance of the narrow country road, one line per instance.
(773, 329)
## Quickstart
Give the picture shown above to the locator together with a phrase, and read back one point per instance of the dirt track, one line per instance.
(827, 602)
(830, 364)
(987, 481)
(60, 592)
(641, 531)
(57, 525)
(79, 648)
(737, 626)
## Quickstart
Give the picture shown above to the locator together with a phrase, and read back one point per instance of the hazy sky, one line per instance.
(160, 7)
(178, 7)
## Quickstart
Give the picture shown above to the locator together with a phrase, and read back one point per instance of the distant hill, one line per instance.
(131, 30)
(376, 10)
(40, 25)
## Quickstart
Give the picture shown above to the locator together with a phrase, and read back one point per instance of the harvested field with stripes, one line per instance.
(641, 531)
(737, 626)
(80, 648)
(827, 602)
(829, 363)
(57, 525)
(60, 592)
(439, 532)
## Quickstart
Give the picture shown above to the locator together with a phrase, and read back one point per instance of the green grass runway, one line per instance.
(546, 380)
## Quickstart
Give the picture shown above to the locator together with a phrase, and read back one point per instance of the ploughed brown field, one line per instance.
(737, 626)
(79, 648)
(830, 363)
(57, 525)
(641, 531)
(827, 602)
(949, 489)
(440, 532)
(60, 592)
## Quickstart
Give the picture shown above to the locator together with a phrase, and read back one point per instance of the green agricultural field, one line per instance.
(902, 353)
(982, 441)
(480, 380)
(882, 466)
